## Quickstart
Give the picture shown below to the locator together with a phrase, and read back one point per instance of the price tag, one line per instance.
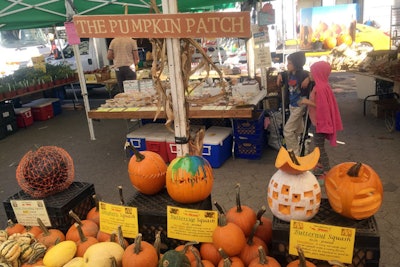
(190, 224)
(111, 216)
(27, 211)
(323, 242)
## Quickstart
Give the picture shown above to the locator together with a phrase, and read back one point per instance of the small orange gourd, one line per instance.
(228, 236)
(242, 215)
(227, 261)
(89, 228)
(147, 171)
(189, 251)
(49, 237)
(209, 252)
(198, 262)
(264, 230)
(14, 227)
(94, 213)
(250, 250)
(84, 242)
(301, 262)
(34, 230)
(140, 253)
(263, 260)
(288, 162)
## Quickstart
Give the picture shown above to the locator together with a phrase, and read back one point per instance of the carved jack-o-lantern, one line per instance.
(189, 179)
(294, 196)
(354, 190)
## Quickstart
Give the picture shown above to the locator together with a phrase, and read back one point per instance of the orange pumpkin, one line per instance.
(228, 236)
(241, 215)
(147, 171)
(302, 262)
(13, 227)
(264, 230)
(35, 230)
(209, 252)
(198, 262)
(354, 190)
(94, 213)
(38, 263)
(250, 250)
(49, 237)
(288, 162)
(227, 261)
(263, 260)
(190, 251)
(140, 253)
(89, 228)
(189, 179)
(84, 242)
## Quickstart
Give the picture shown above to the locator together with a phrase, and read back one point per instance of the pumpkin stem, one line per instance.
(222, 220)
(188, 245)
(238, 205)
(96, 201)
(75, 217)
(138, 244)
(219, 208)
(121, 237)
(293, 157)
(121, 196)
(139, 156)
(82, 236)
(113, 237)
(354, 170)
(43, 227)
(253, 232)
(260, 213)
(157, 243)
(302, 258)
(262, 256)
(113, 262)
(227, 261)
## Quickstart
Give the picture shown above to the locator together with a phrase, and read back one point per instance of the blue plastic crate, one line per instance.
(250, 127)
(56, 103)
(249, 148)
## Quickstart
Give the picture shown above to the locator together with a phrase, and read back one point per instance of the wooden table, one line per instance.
(209, 111)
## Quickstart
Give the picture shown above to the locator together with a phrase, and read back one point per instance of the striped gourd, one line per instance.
(26, 252)
(10, 250)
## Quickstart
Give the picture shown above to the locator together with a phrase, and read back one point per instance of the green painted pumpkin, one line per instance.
(189, 179)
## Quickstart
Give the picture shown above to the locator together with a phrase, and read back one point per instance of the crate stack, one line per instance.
(249, 136)
(8, 120)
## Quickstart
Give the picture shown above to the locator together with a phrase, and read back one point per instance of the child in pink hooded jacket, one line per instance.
(323, 111)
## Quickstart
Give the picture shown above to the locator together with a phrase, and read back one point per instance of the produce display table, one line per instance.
(209, 111)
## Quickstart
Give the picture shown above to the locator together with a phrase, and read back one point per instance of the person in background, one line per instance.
(324, 113)
(123, 52)
(297, 86)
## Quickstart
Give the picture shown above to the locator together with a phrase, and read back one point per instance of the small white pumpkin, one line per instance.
(294, 196)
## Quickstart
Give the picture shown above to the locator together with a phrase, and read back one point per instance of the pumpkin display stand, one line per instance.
(152, 215)
(77, 197)
(367, 240)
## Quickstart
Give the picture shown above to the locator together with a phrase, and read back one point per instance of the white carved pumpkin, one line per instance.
(294, 196)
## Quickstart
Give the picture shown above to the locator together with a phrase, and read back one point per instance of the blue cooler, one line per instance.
(137, 138)
(217, 145)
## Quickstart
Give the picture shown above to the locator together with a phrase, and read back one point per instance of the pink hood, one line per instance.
(328, 118)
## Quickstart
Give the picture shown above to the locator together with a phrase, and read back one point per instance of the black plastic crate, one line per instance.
(366, 245)
(7, 113)
(77, 197)
(152, 215)
(8, 128)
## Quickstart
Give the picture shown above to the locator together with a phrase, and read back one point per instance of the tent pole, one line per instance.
(177, 89)
(83, 89)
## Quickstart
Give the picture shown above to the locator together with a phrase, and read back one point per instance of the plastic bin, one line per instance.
(217, 145)
(250, 127)
(7, 113)
(57, 109)
(77, 197)
(24, 117)
(249, 147)
(156, 142)
(42, 109)
(8, 128)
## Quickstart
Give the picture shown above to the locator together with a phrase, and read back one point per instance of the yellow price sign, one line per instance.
(191, 224)
(111, 216)
(321, 241)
